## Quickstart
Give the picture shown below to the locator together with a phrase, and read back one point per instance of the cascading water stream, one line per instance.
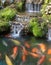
(49, 35)
(16, 30)
(3, 1)
(30, 7)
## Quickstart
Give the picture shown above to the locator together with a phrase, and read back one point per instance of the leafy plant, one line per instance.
(4, 26)
(19, 6)
(32, 23)
(38, 29)
(44, 6)
(7, 14)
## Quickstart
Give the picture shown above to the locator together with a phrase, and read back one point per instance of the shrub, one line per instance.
(4, 27)
(47, 17)
(44, 6)
(20, 6)
(44, 27)
(32, 23)
(7, 14)
(38, 29)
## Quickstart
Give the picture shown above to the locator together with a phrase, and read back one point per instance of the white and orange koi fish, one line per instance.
(41, 60)
(34, 55)
(15, 52)
(42, 47)
(25, 53)
(27, 45)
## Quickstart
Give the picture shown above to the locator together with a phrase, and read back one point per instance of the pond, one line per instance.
(2, 63)
(30, 60)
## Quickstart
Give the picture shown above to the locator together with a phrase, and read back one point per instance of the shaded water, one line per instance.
(2, 63)
(29, 59)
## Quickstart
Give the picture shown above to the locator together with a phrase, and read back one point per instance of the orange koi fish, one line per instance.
(49, 51)
(42, 47)
(24, 50)
(27, 45)
(25, 53)
(15, 49)
(34, 50)
(15, 52)
(41, 60)
(49, 59)
(34, 55)
(24, 58)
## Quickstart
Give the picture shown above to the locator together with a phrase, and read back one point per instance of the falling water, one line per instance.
(3, 1)
(16, 30)
(49, 35)
(29, 7)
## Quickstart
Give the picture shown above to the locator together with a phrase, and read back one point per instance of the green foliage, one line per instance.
(0, 2)
(44, 15)
(4, 26)
(33, 22)
(20, 6)
(7, 14)
(49, 1)
(44, 27)
(47, 17)
(38, 29)
(44, 6)
(46, 1)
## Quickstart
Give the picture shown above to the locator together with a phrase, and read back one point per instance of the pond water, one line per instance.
(2, 62)
(29, 59)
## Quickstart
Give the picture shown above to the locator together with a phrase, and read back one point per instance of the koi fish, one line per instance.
(23, 58)
(8, 60)
(34, 50)
(15, 52)
(41, 60)
(34, 55)
(15, 49)
(42, 47)
(27, 45)
(24, 50)
(49, 52)
(49, 59)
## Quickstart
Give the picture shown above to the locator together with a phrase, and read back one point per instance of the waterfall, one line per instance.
(29, 7)
(49, 34)
(16, 29)
(3, 1)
